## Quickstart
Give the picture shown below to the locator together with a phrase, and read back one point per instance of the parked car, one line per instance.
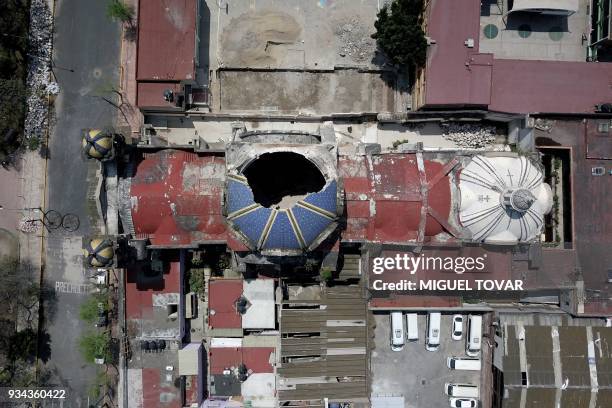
(463, 403)
(461, 390)
(397, 331)
(457, 327)
(102, 316)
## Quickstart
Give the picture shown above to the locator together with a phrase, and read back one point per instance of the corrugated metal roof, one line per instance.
(166, 40)
(336, 346)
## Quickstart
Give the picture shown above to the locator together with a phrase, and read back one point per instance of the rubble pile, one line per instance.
(468, 135)
(355, 40)
(39, 63)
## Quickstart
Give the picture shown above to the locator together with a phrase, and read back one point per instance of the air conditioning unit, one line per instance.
(598, 171)
(469, 43)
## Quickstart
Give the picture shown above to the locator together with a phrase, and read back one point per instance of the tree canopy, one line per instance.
(399, 34)
(95, 345)
(88, 311)
(14, 22)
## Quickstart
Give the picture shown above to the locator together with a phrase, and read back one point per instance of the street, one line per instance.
(86, 65)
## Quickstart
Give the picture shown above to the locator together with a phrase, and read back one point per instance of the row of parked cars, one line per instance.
(400, 333)
(460, 395)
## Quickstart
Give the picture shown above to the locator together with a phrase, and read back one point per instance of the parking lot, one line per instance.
(415, 373)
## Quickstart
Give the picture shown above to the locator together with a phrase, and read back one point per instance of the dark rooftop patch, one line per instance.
(274, 176)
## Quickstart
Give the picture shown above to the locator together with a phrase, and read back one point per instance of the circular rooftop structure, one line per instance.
(280, 203)
(503, 199)
(99, 252)
(98, 144)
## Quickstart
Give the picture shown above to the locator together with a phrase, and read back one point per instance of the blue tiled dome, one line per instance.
(295, 228)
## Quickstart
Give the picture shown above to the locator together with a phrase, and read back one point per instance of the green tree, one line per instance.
(326, 274)
(399, 34)
(14, 22)
(197, 280)
(95, 345)
(88, 311)
(118, 10)
(17, 287)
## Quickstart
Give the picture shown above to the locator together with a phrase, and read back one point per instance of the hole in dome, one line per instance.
(281, 179)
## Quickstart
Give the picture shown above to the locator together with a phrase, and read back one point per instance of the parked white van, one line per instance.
(412, 326)
(474, 336)
(461, 390)
(432, 342)
(397, 331)
(463, 363)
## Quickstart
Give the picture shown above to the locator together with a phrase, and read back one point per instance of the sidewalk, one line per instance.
(33, 187)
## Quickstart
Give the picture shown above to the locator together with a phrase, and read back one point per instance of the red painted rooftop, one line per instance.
(256, 359)
(166, 40)
(139, 295)
(176, 198)
(497, 265)
(151, 94)
(222, 297)
(459, 76)
(394, 184)
(153, 386)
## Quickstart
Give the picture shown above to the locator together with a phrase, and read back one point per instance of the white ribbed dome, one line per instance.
(503, 199)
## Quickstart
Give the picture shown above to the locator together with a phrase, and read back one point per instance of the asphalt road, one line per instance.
(87, 42)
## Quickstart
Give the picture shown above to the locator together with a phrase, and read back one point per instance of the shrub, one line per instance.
(197, 281)
(118, 10)
(95, 345)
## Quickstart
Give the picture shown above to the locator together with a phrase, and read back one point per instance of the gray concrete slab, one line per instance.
(307, 93)
(555, 38)
(415, 373)
(282, 34)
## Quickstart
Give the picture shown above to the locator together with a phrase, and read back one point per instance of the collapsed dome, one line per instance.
(98, 144)
(279, 178)
(281, 203)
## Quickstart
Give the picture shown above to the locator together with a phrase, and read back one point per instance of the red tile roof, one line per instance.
(497, 262)
(549, 86)
(151, 94)
(394, 184)
(256, 359)
(139, 296)
(153, 386)
(449, 81)
(456, 75)
(166, 40)
(222, 297)
(176, 198)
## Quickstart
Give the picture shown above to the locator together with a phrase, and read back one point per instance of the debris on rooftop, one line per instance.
(469, 136)
(355, 40)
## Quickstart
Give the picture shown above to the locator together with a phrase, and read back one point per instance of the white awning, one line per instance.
(558, 7)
